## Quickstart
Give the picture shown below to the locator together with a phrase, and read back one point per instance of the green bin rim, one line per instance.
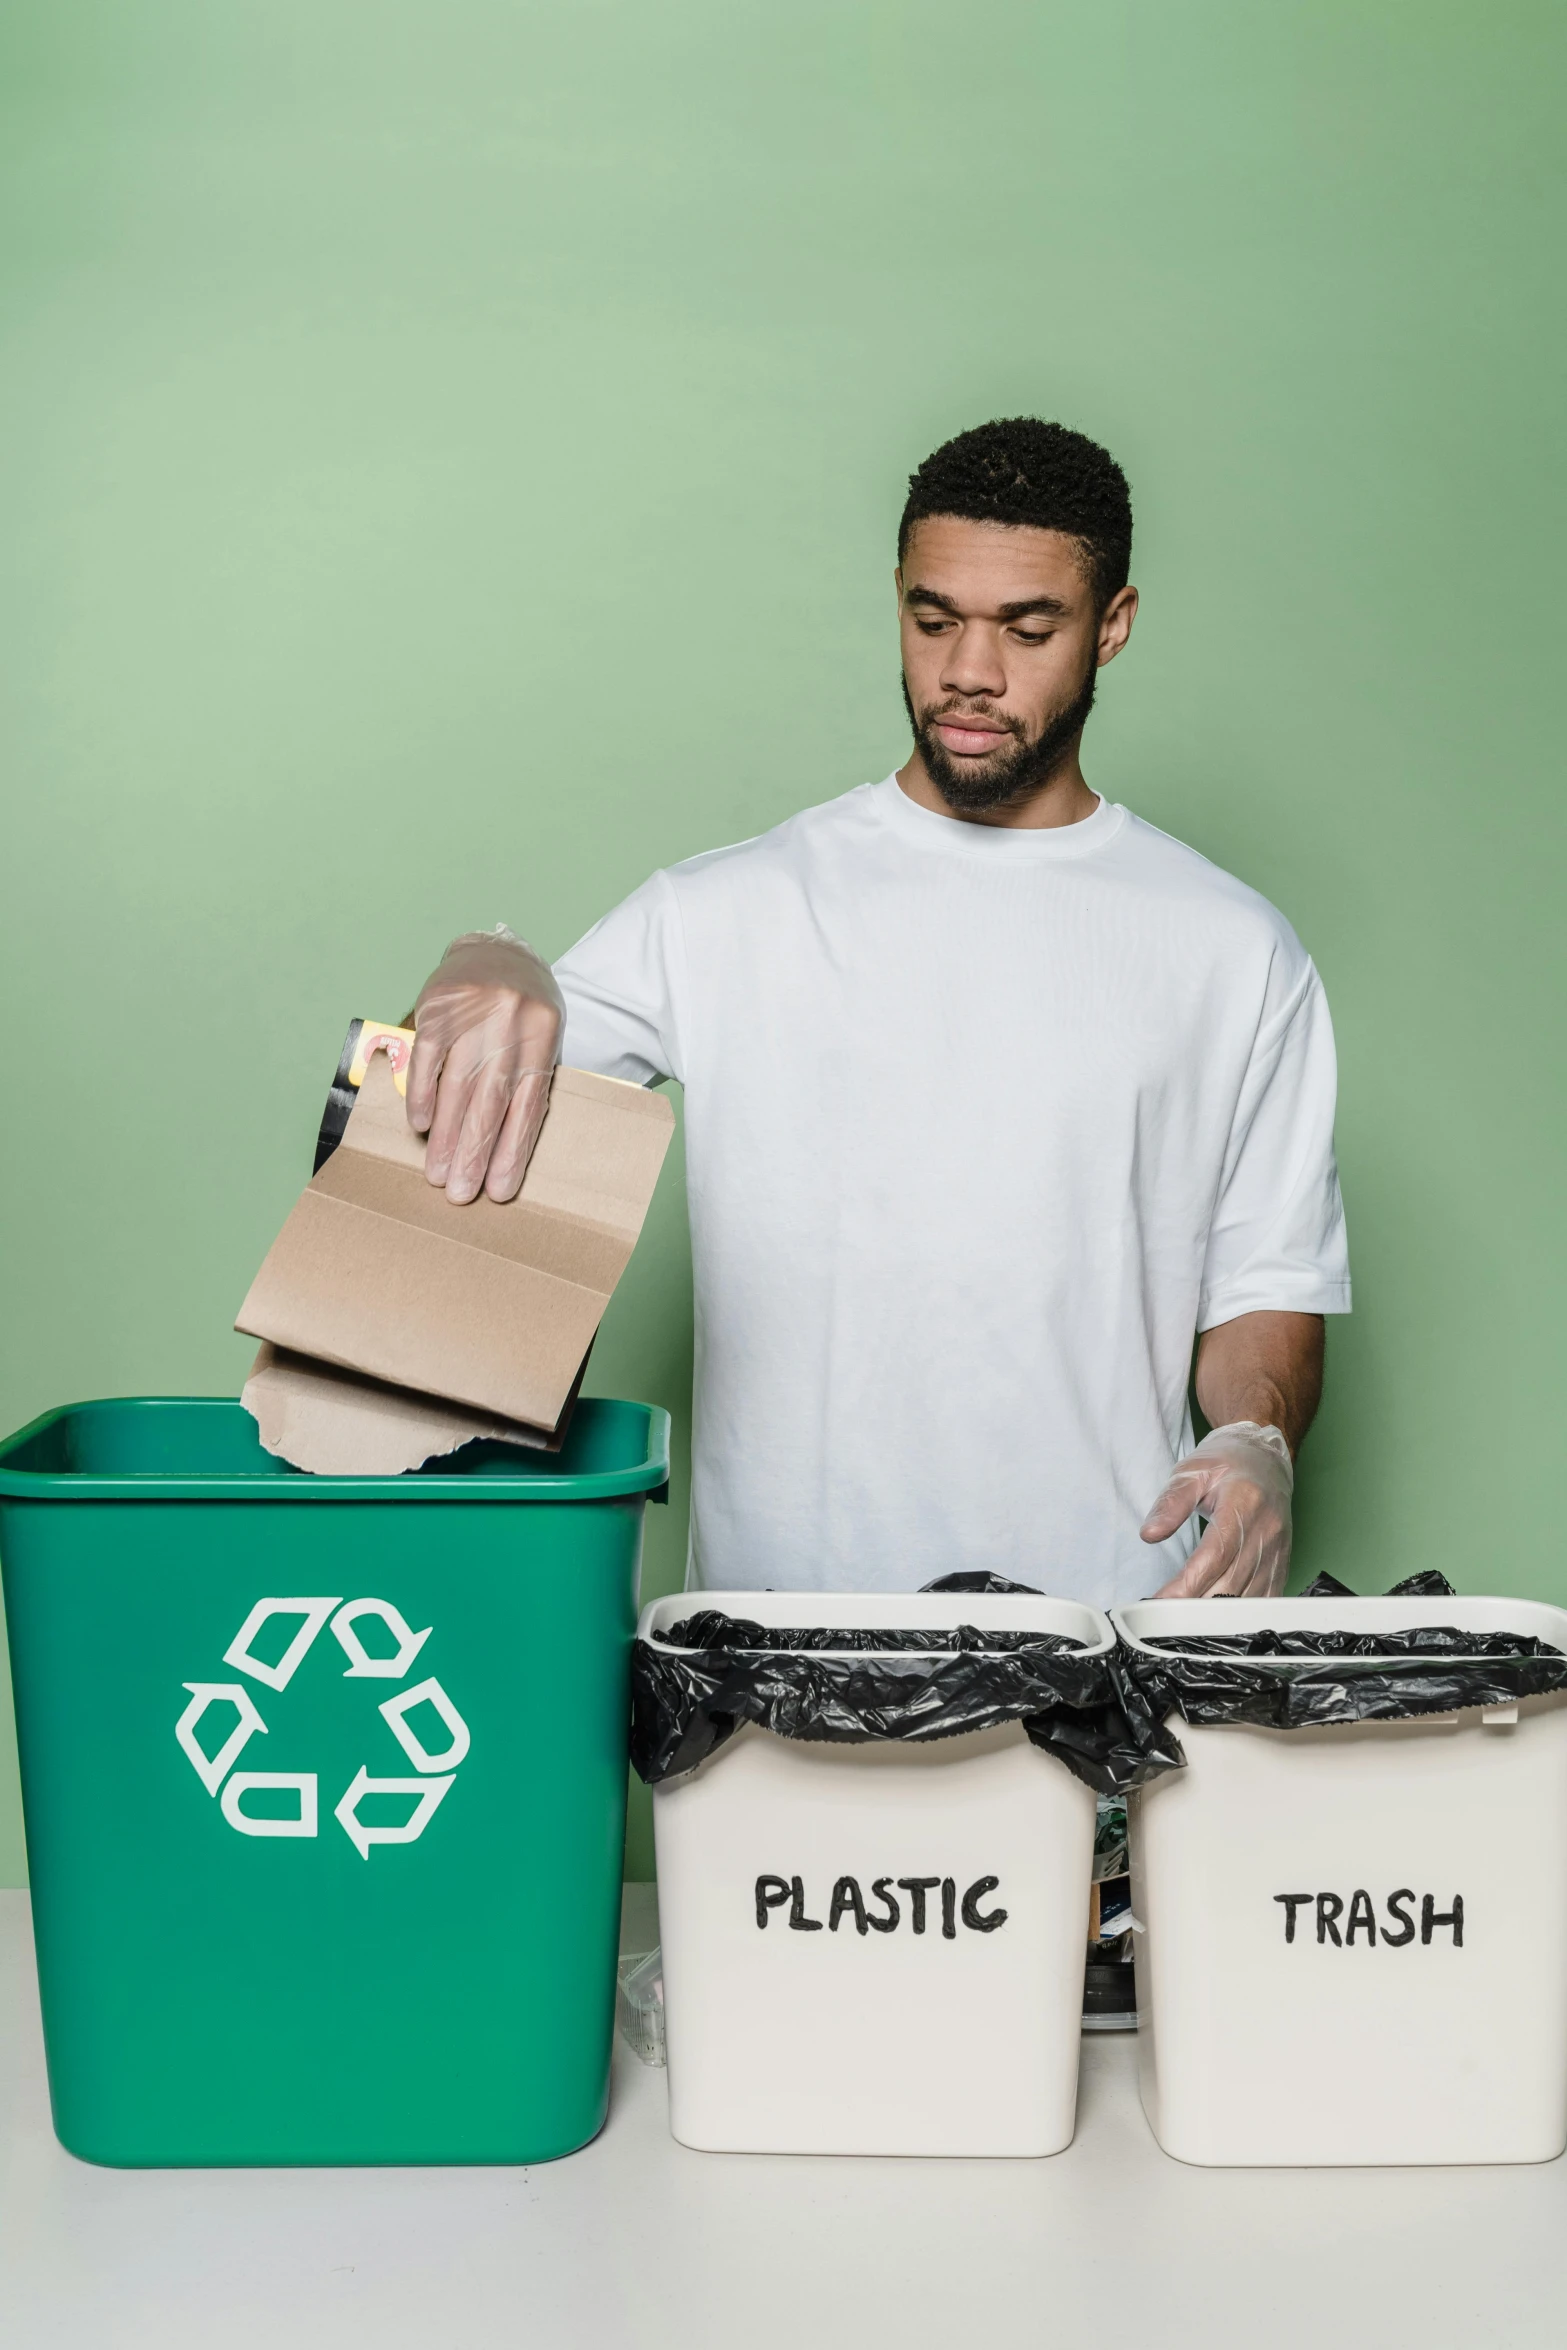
(646, 1476)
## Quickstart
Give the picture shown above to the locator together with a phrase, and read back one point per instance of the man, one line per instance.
(996, 1098)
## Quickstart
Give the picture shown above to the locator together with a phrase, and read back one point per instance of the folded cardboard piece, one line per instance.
(470, 1321)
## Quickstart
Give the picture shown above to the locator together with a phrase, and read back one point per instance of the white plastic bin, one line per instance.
(1353, 1939)
(791, 2030)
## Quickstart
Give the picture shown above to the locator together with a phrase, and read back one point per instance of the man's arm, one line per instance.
(1259, 1381)
(1263, 1367)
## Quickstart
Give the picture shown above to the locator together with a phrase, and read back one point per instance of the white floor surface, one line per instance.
(636, 2242)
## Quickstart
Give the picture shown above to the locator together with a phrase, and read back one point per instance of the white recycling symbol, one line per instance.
(215, 1769)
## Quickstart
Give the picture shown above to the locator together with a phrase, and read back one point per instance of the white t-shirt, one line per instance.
(982, 1125)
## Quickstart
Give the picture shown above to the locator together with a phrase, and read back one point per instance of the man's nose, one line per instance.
(973, 664)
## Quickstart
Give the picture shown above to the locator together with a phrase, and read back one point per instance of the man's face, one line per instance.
(1002, 639)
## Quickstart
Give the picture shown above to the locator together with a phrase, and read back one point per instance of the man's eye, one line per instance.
(1027, 636)
(932, 627)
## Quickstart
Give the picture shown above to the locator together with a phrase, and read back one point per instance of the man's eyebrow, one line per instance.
(1051, 606)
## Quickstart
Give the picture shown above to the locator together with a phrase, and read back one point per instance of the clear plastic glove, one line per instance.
(1240, 1479)
(487, 1027)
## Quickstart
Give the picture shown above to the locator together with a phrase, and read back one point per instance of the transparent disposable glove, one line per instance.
(1240, 1479)
(487, 1036)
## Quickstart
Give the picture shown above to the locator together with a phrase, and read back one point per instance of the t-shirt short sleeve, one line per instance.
(621, 985)
(1276, 1243)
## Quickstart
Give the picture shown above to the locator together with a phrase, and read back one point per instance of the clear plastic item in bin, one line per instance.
(639, 2004)
(1110, 1996)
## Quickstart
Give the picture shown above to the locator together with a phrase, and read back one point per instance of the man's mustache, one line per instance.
(1013, 726)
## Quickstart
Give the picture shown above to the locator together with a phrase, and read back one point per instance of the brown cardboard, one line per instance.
(341, 1425)
(489, 1306)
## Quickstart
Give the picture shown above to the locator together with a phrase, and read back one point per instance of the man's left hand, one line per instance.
(1240, 1479)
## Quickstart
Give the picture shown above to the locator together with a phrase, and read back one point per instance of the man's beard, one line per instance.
(1014, 774)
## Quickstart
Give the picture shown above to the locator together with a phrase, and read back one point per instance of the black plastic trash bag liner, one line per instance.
(710, 1628)
(934, 1685)
(1435, 1669)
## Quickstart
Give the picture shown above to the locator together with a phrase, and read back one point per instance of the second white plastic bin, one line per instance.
(1353, 1939)
(879, 1948)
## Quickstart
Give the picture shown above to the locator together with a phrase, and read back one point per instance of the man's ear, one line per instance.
(1115, 624)
(897, 586)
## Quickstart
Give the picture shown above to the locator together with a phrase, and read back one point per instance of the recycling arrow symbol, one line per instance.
(428, 1791)
(214, 1764)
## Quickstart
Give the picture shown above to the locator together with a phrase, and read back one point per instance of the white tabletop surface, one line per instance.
(638, 2244)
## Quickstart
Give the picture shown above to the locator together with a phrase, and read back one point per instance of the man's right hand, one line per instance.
(488, 1027)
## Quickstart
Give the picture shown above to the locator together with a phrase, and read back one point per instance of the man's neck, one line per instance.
(1063, 799)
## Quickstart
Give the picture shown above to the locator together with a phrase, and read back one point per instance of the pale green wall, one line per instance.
(451, 458)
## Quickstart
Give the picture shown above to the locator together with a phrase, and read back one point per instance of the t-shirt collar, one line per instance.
(950, 836)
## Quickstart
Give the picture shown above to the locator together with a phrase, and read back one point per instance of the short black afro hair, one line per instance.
(1021, 470)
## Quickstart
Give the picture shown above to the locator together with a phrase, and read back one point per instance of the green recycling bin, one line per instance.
(324, 1782)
